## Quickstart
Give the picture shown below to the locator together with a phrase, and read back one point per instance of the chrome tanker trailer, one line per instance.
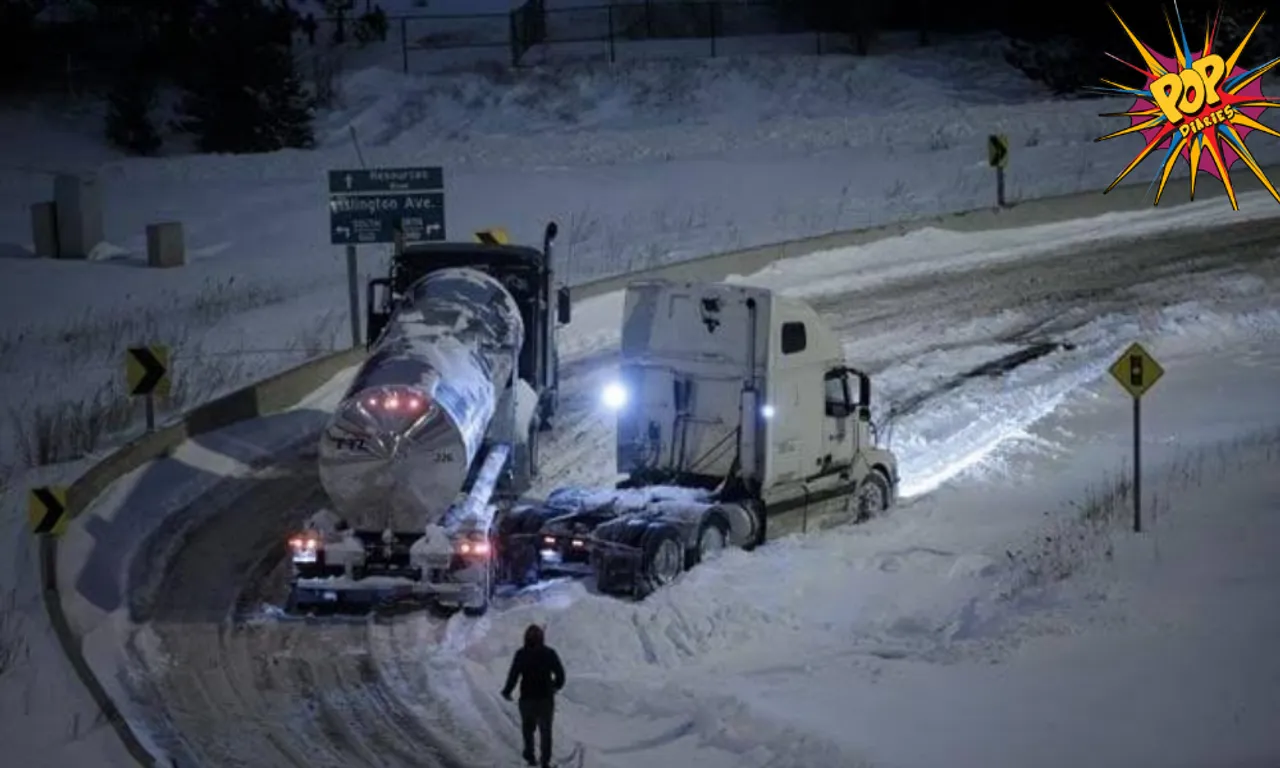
(738, 421)
(438, 431)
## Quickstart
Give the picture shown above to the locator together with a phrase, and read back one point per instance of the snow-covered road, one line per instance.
(218, 690)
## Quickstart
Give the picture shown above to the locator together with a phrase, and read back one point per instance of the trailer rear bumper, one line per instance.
(340, 591)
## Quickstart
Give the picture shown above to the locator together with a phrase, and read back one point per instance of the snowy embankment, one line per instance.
(948, 577)
(1009, 620)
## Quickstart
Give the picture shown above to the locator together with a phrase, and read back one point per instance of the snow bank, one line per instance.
(133, 519)
(842, 646)
(48, 717)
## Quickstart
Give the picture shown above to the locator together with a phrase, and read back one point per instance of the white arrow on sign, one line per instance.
(344, 231)
(350, 181)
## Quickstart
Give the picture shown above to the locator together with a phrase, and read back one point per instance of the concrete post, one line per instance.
(44, 229)
(165, 245)
(79, 215)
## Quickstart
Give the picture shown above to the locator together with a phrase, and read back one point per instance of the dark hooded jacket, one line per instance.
(537, 667)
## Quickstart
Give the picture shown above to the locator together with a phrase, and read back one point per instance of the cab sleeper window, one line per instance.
(793, 338)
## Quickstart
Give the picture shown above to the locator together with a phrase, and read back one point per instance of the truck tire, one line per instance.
(713, 538)
(547, 410)
(517, 548)
(872, 497)
(662, 558)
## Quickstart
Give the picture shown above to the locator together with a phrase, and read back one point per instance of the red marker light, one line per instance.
(415, 404)
(474, 548)
(392, 404)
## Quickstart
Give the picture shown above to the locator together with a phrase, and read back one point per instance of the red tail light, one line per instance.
(304, 548)
(474, 549)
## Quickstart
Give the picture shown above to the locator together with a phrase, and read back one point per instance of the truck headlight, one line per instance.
(614, 396)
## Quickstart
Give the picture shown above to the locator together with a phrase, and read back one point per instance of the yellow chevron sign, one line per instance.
(496, 236)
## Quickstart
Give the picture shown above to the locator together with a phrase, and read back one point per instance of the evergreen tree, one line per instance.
(129, 124)
(243, 91)
(18, 48)
(338, 10)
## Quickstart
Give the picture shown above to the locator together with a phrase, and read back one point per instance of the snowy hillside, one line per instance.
(956, 626)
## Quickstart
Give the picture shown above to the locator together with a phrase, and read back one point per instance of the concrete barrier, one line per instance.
(1044, 210)
(290, 387)
(166, 245)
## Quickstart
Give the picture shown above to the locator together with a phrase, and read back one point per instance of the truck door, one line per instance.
(830, 501)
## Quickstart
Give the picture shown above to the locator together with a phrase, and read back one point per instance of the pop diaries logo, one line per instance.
(1198, 107)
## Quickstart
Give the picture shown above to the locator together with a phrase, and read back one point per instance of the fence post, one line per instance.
(714, 11)
(515, 38)
(404, 44)
(613, 51)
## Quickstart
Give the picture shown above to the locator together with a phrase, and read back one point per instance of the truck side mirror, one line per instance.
(864, 390)
(563, 306)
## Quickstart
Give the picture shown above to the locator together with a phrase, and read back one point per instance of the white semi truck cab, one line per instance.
(739, 421)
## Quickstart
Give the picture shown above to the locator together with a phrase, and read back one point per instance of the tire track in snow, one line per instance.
(271, 694)
(1008, 305)
(235, 695)
(1044, 301)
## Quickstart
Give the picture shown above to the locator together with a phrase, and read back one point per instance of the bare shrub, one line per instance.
(60, 429)
(1061, 550)
(68, 430)
(73, 428)
(1103, 509)
(98, 334)
(13, 642)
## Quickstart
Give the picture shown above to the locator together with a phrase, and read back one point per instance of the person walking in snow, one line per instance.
(538, 669)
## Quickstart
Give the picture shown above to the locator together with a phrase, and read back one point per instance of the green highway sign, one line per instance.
(371, 205)
(364, 219)
(386, 180)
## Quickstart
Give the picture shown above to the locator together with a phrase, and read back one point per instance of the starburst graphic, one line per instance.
(1197, 106)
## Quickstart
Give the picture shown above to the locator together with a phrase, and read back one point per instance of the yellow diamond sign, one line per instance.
(1136, 370)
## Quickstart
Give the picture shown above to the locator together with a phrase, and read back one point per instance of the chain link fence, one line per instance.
(535, 33)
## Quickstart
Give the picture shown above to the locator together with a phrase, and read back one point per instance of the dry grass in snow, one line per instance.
(66, 388)
(1105, 510)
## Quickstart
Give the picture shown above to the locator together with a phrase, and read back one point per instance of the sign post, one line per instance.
(382, 205)
(353, 293)
(998, 158)
(1137, 371)
(146, 371)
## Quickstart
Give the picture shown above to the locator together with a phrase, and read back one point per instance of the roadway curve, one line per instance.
(220, 691)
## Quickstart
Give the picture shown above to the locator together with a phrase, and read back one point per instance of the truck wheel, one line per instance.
(872, 497)
(547, 411)
(713, 538)
(523, 562)
(662, 557)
